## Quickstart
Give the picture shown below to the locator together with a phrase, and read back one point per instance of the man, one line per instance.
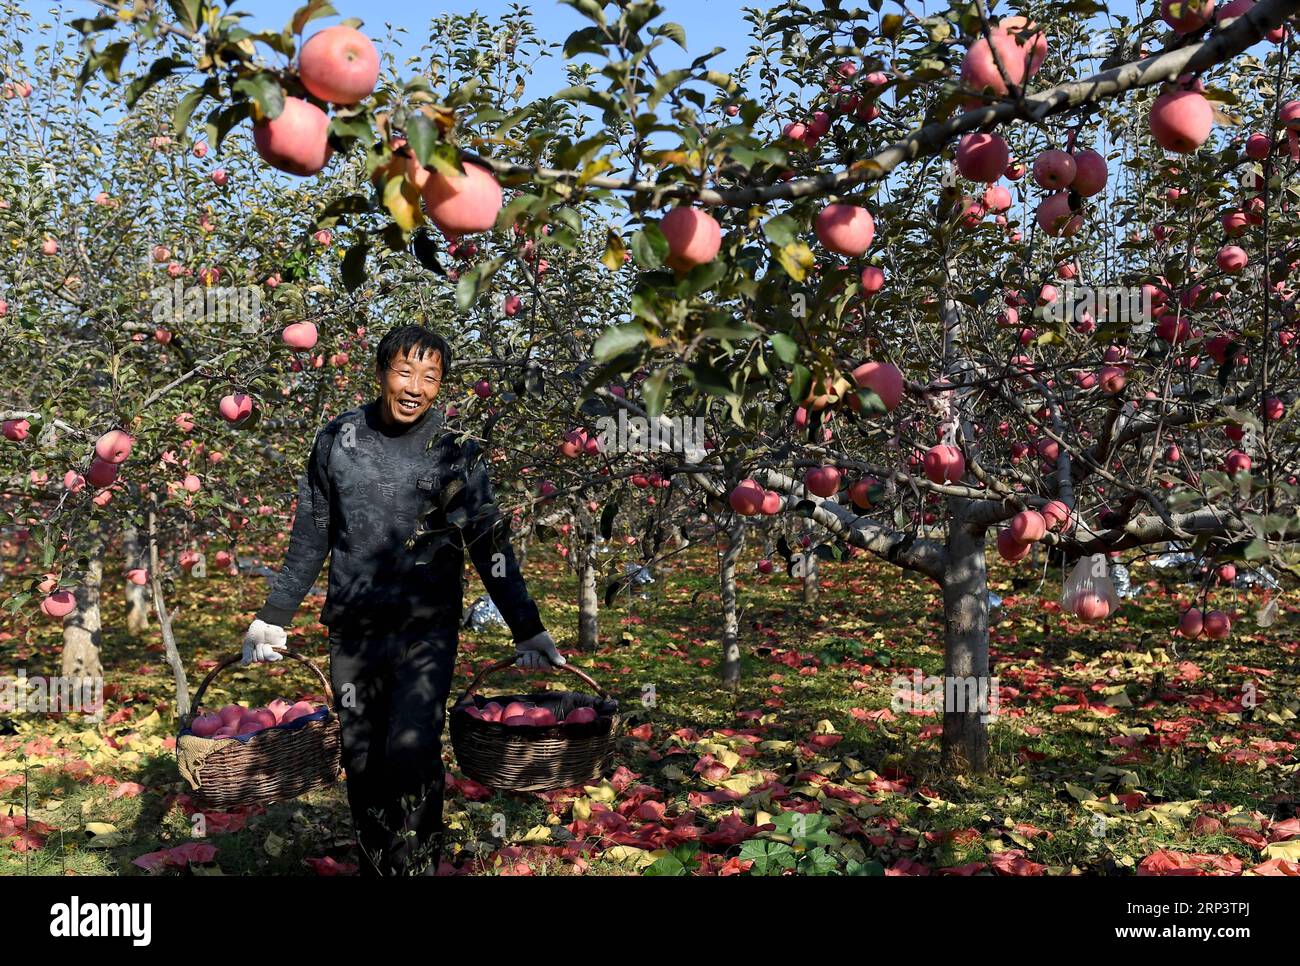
(396, 502)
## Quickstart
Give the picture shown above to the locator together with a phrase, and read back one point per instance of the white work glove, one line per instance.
(536, 651)
(263, 642)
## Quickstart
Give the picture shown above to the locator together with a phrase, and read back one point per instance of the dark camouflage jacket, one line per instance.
(396, 511)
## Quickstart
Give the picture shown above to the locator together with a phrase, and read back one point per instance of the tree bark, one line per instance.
(164, 621)
(81, 628)
(588, 599)
(969, 698)
(137, 597)
(730, 620)
(810, 587)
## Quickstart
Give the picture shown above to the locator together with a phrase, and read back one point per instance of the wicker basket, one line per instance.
(535, 759)
(274, 765)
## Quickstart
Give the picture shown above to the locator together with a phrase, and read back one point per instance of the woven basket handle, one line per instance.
(507, 661)
(236, 658)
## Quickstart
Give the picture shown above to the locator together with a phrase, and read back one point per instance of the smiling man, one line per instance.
(396, 503)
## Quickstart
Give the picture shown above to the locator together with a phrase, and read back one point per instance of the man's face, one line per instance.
(409, 387)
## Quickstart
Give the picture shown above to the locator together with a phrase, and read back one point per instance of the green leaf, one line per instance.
(221, 120)
(854, 867)
(673, 31)
(306, 14)
(354, 204)
(666, 83)
(344, 127)
(422, 135)
(618, 339)
(354, 266)
(158, 70)
(701, 278)
(1255, 550)
(817, 862)
(654, 391)
(87, 26)
(588, 40)
(768, 858)
(650, 247)
(872, 404)
(425, 250)
(263, 88)
(111, 59)
(666, 865)
(462, 93)
(185, 110)
(781, 230)
(711, 380)
(187, 12)
(591, 9)
(732, 333)
(467, 288)
(787, 350)
(800, 381)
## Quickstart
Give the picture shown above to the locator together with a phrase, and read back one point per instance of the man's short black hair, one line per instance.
(415, 341)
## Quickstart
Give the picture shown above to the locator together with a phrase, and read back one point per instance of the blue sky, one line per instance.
(708, 23)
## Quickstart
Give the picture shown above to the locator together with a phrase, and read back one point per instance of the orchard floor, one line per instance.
(1114, 753)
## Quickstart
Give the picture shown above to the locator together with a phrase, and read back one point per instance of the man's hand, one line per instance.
(536, 651)
(263, 642)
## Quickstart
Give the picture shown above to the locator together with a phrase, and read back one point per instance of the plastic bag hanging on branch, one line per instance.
(1089, 593)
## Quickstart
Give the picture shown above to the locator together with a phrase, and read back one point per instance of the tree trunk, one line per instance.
(969, 698)
(730, 621)
(137, 597)
(810, 578)
(588, 599)
(81, 628)
(165, 622)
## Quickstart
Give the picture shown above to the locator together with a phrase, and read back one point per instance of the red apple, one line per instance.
(846, 229)
(339, 64)
(694, 237)
(296, 141)
(459, 204)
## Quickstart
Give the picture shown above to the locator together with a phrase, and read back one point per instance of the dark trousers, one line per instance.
(390, 689)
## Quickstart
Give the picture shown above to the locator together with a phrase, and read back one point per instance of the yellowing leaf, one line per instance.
(796, 258)
(402, 199)
(604, 792)
(1283, 850)
(594, 169)
(626, 853)
(614, 251)
(1080, 794)
(274, 845)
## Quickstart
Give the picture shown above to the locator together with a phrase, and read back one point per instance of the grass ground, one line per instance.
(1118, 749)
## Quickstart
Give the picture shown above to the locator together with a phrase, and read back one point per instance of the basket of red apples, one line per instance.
(237, 756)
(534, 742)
